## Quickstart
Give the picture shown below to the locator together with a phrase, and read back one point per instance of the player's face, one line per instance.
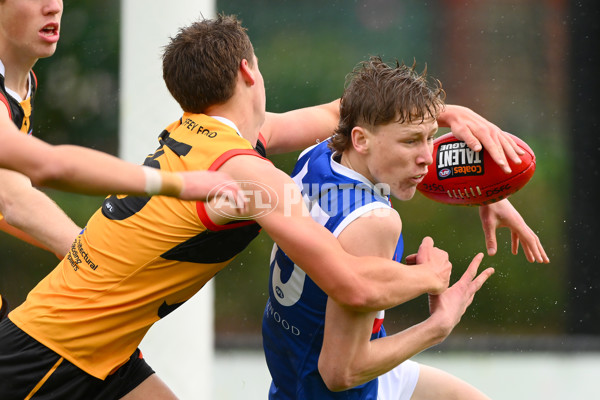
(399, 154)
(29, 28)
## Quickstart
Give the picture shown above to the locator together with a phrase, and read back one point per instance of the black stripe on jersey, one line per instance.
(179, 148)
(151, 161)
(261, 148)
(166, 309)
(118, 209)
(214, 246)
(14, 107)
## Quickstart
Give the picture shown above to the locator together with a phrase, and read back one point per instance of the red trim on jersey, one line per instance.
(377, 324)
(232, 153)
(262, 139)
(34, 78)
(211, 226)
(5, 101)
(201, 207)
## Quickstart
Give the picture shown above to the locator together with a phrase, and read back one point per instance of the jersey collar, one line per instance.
(352, 174)
(11, 92)
(228, 123)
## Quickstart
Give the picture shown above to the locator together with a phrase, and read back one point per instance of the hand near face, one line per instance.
(476, 131)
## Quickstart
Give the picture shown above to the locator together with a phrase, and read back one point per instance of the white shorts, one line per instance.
(399, 383)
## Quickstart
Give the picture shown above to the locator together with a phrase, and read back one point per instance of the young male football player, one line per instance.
(29, 30)
(317, 348)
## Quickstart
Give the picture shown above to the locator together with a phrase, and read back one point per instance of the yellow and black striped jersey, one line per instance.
(138, 258)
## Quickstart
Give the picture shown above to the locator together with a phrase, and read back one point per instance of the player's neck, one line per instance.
(16, 73)
(351, 160)
(345, 161)
(242, 117)
(354, 161)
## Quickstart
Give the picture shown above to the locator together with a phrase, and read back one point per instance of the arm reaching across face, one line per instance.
(363, 283)
(301, 128)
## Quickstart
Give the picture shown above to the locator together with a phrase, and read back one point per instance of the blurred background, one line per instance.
(527, 65)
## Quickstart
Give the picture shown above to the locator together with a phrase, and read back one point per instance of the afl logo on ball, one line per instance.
(444, 173)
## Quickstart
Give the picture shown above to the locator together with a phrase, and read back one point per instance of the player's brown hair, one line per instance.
(201, 63)
(377, 93)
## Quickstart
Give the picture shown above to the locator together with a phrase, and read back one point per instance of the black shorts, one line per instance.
(28, 369)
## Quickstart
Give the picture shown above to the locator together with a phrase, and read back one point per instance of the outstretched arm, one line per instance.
(35, 214)
(301, 128)
(366, 283)
(82, 170)
(19, 234)
(503, 214)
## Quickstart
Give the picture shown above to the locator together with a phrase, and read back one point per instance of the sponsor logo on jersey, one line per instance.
(273, 315)
(198, 129)
(455, 159)
(78, 256)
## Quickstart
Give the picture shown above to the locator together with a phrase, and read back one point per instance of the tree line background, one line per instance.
(525, 65)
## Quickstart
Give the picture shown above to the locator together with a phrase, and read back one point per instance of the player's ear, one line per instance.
(247, 73)
(360, 139)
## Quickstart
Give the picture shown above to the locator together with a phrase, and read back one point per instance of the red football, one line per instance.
(460, 176)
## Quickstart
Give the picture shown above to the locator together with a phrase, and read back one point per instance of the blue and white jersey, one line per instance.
(294, 316)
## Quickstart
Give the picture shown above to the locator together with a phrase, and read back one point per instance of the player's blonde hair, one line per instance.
(377, 93)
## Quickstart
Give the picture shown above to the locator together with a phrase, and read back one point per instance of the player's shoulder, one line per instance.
(249, 165)
(384, 219)
(374, 233)
(5, 114)
(378, 223)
